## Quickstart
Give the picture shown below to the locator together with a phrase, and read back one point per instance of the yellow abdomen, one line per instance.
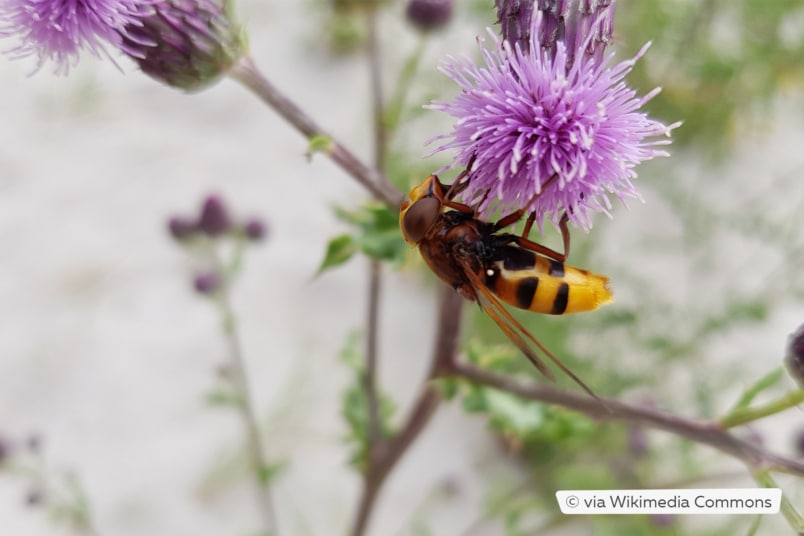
(543, 285)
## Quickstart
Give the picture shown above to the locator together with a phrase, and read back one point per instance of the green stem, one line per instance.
(745, 415)
(793, 516)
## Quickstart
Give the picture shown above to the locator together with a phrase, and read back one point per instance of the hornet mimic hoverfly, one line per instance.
(489, 266)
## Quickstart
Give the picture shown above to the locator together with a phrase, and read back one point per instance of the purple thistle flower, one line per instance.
(530, 120)
(58, 30)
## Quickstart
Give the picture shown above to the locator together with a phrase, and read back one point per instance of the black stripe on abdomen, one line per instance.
(561, 299)
(556, 268)
(525, 291)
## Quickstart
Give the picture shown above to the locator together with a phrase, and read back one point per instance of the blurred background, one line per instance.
(108, 356)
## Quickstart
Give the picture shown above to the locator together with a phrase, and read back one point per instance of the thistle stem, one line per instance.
(246, 409)
(705, 432)
(745, 415)
(246, 72)
(388, 452)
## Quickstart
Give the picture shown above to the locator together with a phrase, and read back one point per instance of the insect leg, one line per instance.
(457, 187)
(515, 216)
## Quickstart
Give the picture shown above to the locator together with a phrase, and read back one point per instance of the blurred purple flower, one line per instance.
(254, 229)
(214, 219)
(58, 30)
(428, 15)
(181, 227)
(207, 282)
(529, 116)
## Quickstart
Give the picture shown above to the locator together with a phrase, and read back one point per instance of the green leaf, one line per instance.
(318, 144)
(764, 383)
(220, 397)
(376, 231)
(269, 472)
(339, 250)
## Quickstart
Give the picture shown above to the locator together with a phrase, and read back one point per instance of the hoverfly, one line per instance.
(489, 266)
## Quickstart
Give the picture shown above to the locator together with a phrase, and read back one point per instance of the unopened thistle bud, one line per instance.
(187, 44)
(794, 358)
(429, 15)
(207, 282)
(215, 219)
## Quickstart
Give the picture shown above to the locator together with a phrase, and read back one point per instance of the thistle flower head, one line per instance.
(57, 30)
(533, 121)
(186, 44)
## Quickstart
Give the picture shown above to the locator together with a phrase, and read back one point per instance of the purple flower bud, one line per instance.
(428, 15)
(214, 218)
(182, 228)
(187, 44)
(207, 282)
(254, 229)
(794, 358)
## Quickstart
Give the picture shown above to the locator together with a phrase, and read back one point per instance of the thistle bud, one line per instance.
(794, 358)
(254, 229)
(181, 228)
(187, 44)
(207, 282)
(428, 15)
(214, 218)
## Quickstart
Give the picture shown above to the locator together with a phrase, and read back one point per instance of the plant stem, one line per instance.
(254, 438)
(374, 432)
(707, 432)
(246, 72)
(387, 453)
(746, 415)
(790, 513)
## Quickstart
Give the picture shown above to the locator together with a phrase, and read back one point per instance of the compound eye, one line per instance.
(419, 217)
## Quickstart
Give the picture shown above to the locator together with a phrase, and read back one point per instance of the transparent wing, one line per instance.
(515, 331)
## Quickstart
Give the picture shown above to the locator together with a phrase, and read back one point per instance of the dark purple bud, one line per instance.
(181, 228)
(207, 282)
(428, 15)
(794, 358)
(254, 229)
(214, 218)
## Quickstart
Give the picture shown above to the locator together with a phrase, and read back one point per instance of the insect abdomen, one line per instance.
(543, 285)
